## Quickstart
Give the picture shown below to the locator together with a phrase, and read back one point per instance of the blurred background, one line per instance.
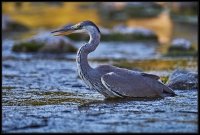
(40, 82)
(167, 19)
(161, 22)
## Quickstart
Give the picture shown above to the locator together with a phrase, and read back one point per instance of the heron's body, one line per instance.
(112, 81)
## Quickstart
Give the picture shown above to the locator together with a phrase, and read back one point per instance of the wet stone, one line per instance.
(181, 43)
(181, 47)
(183, 80)
(131, 34)
(123, 33)
(45, 43)
(112, 11)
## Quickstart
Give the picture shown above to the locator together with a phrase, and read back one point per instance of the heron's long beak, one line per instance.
(64, 31)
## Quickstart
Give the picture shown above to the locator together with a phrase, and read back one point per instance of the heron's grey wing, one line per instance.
(132, 84)
(151, 76)
(166, 89)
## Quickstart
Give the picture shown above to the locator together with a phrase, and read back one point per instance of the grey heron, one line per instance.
(111, 81)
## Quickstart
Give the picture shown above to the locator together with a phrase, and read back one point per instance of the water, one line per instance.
(43, 93)
(165, 115)
(46, 95)
(121, 50)
(105, 50)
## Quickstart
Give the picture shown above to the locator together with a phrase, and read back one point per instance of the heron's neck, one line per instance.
(82, 61)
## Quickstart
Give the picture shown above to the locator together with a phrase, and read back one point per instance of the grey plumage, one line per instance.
(112, 81)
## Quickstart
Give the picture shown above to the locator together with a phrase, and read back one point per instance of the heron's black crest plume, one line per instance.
(89, 23)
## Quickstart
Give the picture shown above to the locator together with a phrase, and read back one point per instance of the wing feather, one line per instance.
(130, 85)
(151, 76)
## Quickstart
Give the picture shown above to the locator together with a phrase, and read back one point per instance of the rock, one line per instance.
(9, 25)
(143, 9)
(124, 33)
(127, 10)
(184, 12)
(131, 30)
(181, 44)
(181, 47)
(121, 33)
(183, 80)
(44, 42)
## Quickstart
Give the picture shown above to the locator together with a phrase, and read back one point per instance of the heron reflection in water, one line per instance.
(111, 81)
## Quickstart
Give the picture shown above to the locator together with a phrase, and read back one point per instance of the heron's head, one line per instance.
(85, 26)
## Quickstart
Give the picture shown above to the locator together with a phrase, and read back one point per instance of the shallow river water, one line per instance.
(45, 94)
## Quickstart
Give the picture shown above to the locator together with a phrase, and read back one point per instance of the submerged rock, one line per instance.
(181, 44)
(8, 25)
(44, 42)
(181, 47)
(183, 80)
(131, 30)
(121, 33)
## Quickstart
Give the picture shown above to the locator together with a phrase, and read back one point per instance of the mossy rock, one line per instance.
(179, 51)
(117, 37)
(15, 26)
(27, 47)
(44, 43)
(41, 47)
(143, 10)
(155, 64)
(128, 37)
(131, 10)
(78, 37)
(60, 48)
(183, 80)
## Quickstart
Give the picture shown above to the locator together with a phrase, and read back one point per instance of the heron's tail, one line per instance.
(168, 91)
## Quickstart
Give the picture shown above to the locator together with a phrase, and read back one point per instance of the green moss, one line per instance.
(78, 37)
(127, 37)
(180, 52)
(53, 93)
(27, 47)
(171, 48)
(144, 12)
(46, 98)
(8, 87)
(71, 49)
(56, 101)
(140, 11)
(45, 101)
(155, 64)
(117, 37)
